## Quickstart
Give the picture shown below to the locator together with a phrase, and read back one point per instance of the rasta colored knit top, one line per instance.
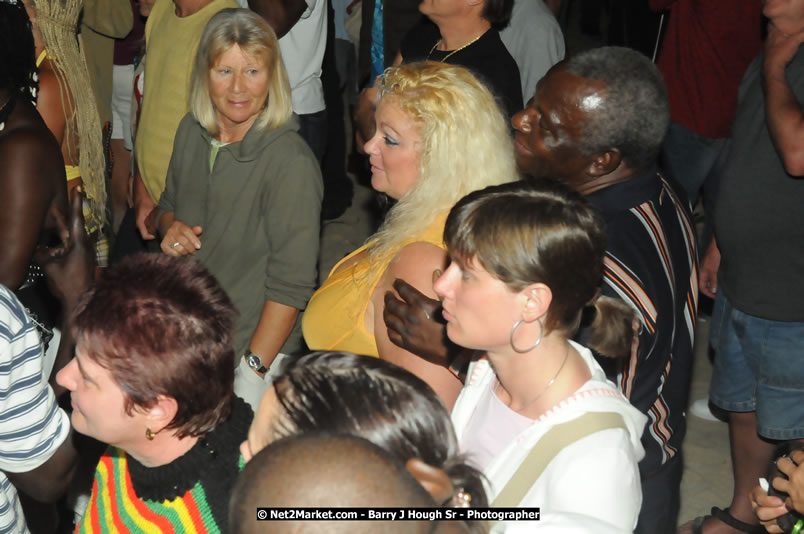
(190, 494)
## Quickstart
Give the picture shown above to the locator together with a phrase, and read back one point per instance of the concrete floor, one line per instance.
(707, 477)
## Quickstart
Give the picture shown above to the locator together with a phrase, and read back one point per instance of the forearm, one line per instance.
(276, 322)
(49, 481)
(785, 121)
(141, 195)
(165, 220)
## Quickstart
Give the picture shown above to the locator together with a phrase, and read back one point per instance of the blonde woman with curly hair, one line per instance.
(440, 135)
(66, 103)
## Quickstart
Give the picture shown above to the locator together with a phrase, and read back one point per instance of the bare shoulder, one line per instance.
(415, 264)
(30, 151)
(51, 105)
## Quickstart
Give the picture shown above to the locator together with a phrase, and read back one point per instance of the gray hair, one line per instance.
(635, 113)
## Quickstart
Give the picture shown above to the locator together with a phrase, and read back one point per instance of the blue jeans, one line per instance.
(759, 367)
(695, 162)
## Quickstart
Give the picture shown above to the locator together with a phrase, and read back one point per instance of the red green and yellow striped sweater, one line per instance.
(189, 495)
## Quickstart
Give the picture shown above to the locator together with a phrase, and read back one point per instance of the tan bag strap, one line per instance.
(543, 452)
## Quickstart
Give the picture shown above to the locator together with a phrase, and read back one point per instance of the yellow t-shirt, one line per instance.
(335, 316)
(170, 46)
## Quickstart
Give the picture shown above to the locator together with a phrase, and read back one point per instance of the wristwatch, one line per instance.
(254, 362)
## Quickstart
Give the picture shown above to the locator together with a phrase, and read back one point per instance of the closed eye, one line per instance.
(390, 141)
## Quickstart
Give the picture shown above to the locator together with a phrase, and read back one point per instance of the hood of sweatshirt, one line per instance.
(256, 139)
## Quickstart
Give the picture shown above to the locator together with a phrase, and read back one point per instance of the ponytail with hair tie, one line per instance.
(614, 327)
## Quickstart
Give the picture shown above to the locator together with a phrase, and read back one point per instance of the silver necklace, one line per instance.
(550, 383)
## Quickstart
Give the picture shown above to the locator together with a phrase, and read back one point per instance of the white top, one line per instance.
(303, 52)
(32, 426)
(594, 481)
(534, 40)
(492, 426)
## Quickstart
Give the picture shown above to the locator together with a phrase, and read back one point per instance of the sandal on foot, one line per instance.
(696, 525)
(735, 523)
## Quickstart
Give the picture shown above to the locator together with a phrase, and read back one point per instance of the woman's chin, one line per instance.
(378, 182)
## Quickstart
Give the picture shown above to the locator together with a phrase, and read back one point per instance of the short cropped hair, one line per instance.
(542, 232)
(635, 113)
(162, 326)
(249, 31)
(498, 12)
(324, 471)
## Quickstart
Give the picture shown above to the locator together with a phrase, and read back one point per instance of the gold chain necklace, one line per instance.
(550, 383)
(445, 58)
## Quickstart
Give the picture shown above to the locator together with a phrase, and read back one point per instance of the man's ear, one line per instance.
(162, 412)
(605, 163)
(434, 480)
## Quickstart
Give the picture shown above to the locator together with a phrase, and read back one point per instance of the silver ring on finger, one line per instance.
(174, 245)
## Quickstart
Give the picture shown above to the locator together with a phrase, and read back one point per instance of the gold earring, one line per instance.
(149, 435)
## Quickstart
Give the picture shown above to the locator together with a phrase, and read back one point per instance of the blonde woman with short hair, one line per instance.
(243, 191)
(440, 135)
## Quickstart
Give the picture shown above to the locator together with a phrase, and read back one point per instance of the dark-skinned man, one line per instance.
(597, 122)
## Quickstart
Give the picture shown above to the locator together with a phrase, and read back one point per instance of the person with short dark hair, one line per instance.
(154, 380)
(597, 122)
(329, 471)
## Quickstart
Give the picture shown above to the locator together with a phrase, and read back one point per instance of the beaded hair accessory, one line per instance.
(462, 499)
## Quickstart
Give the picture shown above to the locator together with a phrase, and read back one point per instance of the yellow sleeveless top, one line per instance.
(335, 316)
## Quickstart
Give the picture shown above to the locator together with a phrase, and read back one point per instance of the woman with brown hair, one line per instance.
(537, 414)
(154, 380)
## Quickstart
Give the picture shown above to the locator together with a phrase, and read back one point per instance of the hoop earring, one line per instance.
(149, 434)
(538, 340)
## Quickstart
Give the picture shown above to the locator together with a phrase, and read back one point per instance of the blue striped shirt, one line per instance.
(32, 426)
